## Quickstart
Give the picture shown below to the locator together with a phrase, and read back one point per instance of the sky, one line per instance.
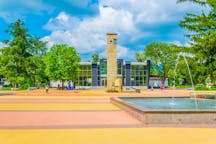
(84, 24)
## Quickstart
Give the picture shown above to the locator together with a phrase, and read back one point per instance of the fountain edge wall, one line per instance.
(168, 116)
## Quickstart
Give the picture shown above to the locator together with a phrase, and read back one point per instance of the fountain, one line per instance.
(160, 110)
(170, 110)
(191, 79)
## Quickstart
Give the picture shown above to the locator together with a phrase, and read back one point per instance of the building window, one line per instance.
(84, 75)
(138, 75)
(103, 66)
(119, 68)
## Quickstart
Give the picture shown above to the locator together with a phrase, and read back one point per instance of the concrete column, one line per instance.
(111, 60)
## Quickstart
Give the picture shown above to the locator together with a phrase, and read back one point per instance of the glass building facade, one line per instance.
(138, 75)
(84, 74)
(135, 74)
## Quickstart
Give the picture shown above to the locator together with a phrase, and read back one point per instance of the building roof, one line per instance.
(112, 34)
(85, 63)
(132, 63)
(138, 63)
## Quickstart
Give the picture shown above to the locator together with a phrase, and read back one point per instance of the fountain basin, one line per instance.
(168, 110)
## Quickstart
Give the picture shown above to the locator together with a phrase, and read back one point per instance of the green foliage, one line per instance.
(6, 88)
(24, 86)
(162, 56)
(95, 57)
(22, 59)
(183, 86)
(141, 57)
(201, 88)
(202, 33)
(182, 73)
(153, 70)
(62, 63)
(213, 87)
(210, 3)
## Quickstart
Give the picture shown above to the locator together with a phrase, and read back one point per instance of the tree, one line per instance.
(19, 58)
(35, 63)
(162, 56)
(62, 63)
(95, 57)
(202, 33)
(141, 57)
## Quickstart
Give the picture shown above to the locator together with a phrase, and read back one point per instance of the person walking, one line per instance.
(58, 87)
(38, 86)
(47, 88)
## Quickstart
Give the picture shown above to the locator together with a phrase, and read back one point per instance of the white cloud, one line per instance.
(178, 43)
(131, 19)
(89, 35)
(122, 52)
(152, 11)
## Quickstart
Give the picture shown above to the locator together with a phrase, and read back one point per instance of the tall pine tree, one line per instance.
(22, 56)
(202, 33)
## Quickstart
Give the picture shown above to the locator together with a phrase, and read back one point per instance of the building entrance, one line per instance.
(103, 81)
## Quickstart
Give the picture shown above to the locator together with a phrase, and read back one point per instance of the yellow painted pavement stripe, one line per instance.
(51, 106)
(54, 97)
(110, 136)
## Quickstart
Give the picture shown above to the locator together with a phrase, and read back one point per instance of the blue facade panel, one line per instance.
(148, 73)
(94, 74)
(128, 73)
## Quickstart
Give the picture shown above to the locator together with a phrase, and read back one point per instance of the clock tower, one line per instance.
(111, 60)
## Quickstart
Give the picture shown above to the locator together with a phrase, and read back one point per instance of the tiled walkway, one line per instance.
(71, 111)
(66, 119)
(82, 117)
(109, 136)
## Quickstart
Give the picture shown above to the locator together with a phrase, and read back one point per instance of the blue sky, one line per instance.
(84, 23)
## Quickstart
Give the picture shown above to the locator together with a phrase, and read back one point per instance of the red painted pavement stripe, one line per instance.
(58, 118)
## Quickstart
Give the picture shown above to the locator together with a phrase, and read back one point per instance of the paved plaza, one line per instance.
(87, 116)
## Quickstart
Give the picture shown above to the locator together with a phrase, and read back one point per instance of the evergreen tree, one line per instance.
(202, 33)
(19, 58)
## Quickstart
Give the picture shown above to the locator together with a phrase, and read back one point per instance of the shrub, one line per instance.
(201, 88)
(24, 87)
(6, 88)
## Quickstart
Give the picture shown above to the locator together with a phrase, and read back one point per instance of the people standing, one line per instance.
(69, 86)
(74, 85)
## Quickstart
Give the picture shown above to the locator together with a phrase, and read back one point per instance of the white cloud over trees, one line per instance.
(129, 18)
